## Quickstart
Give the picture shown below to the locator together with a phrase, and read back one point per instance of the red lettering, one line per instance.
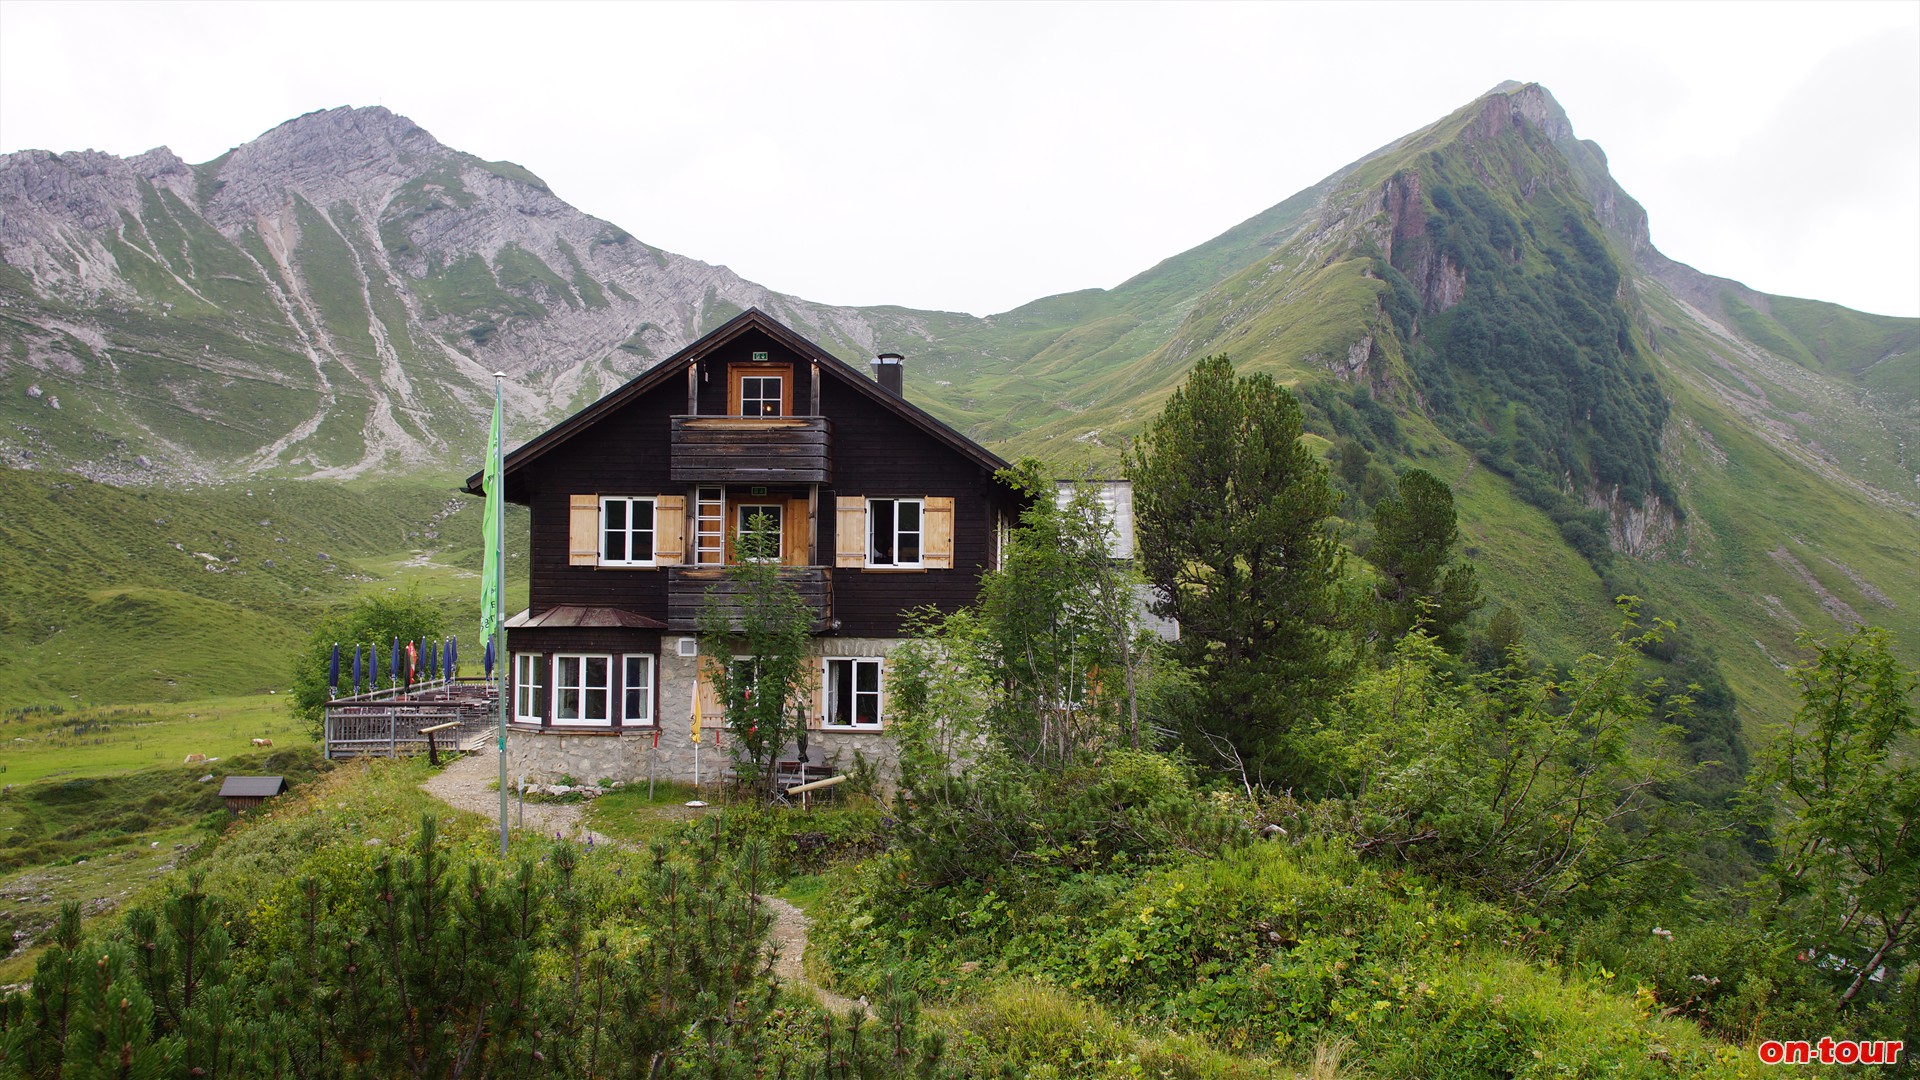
(1846, 1052)
(1772, 1052)
(1799, 1052)
(1826, 1050)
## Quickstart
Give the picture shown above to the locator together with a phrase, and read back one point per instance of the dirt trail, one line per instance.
(463, 785)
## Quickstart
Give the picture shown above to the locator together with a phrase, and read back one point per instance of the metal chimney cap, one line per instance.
(889, 358)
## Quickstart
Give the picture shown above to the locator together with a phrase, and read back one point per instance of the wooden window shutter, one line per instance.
(583, 530)
(936, 545)
(850, 531)
(713, 713)
(793, 529)
(816, 700)
(669, 530)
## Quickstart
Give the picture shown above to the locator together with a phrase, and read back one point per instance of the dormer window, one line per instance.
(761, 395)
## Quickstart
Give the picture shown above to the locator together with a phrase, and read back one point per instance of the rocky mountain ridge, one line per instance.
(368, 278)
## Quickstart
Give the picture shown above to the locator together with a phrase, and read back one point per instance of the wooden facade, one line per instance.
(870, 506)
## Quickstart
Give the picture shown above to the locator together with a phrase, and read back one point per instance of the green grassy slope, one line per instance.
(126, 595)
(1786, 416)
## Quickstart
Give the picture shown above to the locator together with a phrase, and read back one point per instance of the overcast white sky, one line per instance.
(976, 156)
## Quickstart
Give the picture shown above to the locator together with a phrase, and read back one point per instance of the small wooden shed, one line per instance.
(242, 793)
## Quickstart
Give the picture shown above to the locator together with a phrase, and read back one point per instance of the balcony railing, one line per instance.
(752, 449)
(688, 588)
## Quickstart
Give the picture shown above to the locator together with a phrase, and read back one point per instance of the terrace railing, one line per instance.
(391, 722)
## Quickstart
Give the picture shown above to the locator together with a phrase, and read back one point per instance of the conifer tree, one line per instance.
(1415, 531)
(1231, 512)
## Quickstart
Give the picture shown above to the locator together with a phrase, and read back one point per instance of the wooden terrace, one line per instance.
(392, 722)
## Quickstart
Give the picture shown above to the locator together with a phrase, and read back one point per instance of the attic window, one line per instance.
(761, 395)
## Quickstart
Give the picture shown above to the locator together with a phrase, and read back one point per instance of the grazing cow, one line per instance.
(263, 742)
(194, 759)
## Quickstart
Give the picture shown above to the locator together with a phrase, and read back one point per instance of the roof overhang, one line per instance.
(747, 321)
(573, 615)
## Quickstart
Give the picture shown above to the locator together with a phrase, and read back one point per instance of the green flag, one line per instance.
(490, 529)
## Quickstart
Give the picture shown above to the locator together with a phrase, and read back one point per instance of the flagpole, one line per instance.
(496, 509)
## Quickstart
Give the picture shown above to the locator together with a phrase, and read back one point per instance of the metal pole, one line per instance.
(497, 498)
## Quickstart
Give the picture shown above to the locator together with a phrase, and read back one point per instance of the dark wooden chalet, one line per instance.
(639, 502)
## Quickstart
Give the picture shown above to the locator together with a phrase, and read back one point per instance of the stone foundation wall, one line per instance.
(543, 757)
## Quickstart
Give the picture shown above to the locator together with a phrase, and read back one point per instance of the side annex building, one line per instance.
(638, 502)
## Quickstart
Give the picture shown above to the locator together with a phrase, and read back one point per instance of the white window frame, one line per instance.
(744, 512)
(878, 693)
(920, 534)
(646, 718)
(584, 689)
(631, 502)
(529, 700)
(778, 401)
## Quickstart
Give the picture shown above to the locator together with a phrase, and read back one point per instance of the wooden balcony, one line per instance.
(689, 586)
(752, 449)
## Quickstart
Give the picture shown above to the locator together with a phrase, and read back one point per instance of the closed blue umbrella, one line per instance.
(488, 661)
(450, 665)
(333, 672)
(433, 661)
(356, 670)
(393, 672)
(373, 668)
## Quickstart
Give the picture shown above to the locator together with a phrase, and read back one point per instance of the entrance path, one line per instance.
(464, 786)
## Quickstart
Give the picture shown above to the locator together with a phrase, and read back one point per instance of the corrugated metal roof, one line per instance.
(247, 787)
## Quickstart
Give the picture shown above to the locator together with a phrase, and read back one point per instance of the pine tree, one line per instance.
(1231, 512)
(1415, 532)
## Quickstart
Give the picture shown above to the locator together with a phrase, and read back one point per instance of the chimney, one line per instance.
(888, 372)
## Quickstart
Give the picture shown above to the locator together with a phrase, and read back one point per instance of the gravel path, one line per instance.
(464, 786)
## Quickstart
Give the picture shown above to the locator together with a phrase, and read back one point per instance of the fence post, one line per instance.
(393, 732)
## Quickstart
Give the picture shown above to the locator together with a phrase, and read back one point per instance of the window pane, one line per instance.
(640, 520)
(838, 704)
(637, 689)
(880, 524)
(614, 546)
(867, 692)
(909, 544)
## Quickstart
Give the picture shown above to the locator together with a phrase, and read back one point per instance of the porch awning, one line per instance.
(575, 615)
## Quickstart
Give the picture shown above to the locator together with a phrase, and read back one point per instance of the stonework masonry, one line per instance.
(545, 757)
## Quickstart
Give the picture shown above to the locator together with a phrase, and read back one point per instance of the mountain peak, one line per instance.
(358, 155)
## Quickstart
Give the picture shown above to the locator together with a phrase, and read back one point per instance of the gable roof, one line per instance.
(252, 786)
(749, 320)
